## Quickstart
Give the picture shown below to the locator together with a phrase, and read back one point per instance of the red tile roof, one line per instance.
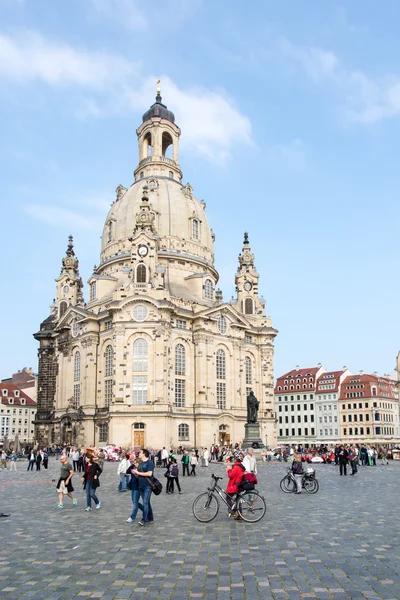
(16, 399)
(331, 377)
(385, 388)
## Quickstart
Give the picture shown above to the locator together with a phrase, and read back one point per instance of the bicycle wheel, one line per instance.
(287, 485)
(205, 507)
(251, 507)
(311, 486)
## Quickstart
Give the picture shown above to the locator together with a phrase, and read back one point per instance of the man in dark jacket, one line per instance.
(343, 460)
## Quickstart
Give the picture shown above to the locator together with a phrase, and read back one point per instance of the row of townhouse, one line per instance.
(315, 407)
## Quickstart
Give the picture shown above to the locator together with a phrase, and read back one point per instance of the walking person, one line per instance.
(121, 471)
(193, 463)
(32, 460)
(64, 484)
(3, 458)
(91, 482)
(136, 505)
(185, 463)
(383, 457)
(145, 472)
(249, 462)
(13, 462)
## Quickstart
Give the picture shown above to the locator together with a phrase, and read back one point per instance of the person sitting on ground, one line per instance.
(235, 473)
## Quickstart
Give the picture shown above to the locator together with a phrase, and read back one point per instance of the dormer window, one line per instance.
(4, 392)
(92, 291)
(195, 229)
(16, 393)
(23, 401)
(208, 289)
(11, 401)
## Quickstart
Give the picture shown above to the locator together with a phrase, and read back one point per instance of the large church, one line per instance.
(154, 356)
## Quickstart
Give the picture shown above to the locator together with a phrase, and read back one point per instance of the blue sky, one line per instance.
(290, 118)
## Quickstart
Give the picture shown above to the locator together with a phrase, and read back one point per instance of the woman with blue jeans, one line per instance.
(91, 482)
(136, 497)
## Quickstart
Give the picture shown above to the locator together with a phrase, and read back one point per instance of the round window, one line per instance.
(140, 312)
(222, 324)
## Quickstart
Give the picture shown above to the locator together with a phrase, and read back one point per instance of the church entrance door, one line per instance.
(138, 439)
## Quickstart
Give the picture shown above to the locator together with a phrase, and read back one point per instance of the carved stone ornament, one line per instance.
(120, 192)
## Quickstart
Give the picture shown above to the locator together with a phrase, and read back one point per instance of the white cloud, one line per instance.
(127, 13)
(210, 121)
(30, 56)
(89, 217)
(365, 100)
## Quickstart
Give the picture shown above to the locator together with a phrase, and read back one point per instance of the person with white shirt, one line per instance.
(164, 457)
(75, 458)
(122, 469)
(249, 462)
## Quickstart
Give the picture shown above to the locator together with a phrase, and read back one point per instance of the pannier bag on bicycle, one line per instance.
(249, 481)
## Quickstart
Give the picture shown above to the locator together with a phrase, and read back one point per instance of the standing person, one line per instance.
(383, 457)
(235, 474)
(206, 456)
(173, 475)
(185, 463)
(101, 456)
(81, 462)
(13, 461)
(45, 458)
(3, 459)
(249, 462)
(75, 458)
(64, 485)
(38, 459)
(32, 460)
(145, 472)
(343, 460)
(353, 456)
(297, 470)
(193, 463)
(123, 466)
(91, 482)
(164, 457)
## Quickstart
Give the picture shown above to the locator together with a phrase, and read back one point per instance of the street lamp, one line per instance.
(214, 438)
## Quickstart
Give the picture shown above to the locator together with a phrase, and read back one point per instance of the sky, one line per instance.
(290, 119)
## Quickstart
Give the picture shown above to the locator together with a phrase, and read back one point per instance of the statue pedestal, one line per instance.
(252, 438)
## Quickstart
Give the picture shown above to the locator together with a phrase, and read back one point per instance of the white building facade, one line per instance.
(155, 357)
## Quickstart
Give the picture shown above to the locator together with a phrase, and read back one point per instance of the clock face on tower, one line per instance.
(143, 250)
(247, 286)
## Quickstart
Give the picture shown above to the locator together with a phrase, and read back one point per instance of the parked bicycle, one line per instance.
(248, 504)
(308, 482)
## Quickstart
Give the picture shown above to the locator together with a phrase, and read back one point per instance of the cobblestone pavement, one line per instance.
(341, 543)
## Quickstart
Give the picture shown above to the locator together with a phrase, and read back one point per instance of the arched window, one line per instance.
(171, 175)
(108, 371)
(140, 365)
(63, 308)
(147, 145)
(139, 426)
(208, 289)
(139, 355)
(141, 274)
(248, 306)
(180, 369)
(183, 431)
(195, 229)
(221, 376)
(167, 144)
(77, 366)
(180, 366)
(141, 175)
(249, 379)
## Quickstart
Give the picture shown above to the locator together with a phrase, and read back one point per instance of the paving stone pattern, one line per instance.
(341, 543)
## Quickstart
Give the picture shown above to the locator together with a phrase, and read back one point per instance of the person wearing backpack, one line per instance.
(185, 463)
(173, 476)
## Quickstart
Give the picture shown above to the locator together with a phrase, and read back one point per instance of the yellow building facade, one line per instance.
(154, 357)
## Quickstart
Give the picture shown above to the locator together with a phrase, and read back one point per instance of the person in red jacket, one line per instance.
(235, 474)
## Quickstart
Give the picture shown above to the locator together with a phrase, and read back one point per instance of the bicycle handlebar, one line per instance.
(215, 477)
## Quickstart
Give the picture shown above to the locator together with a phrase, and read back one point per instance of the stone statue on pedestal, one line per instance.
(252, 408)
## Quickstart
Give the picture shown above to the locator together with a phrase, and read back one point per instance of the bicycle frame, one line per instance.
(223, 495)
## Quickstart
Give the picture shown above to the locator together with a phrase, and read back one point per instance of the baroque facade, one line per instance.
(154, 356)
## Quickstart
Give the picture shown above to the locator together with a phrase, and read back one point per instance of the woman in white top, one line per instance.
(122, 469)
